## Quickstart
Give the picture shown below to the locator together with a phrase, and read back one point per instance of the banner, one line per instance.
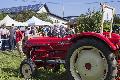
(107, 13)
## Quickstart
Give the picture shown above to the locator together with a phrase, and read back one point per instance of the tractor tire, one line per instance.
(28, 69)
(90, 59)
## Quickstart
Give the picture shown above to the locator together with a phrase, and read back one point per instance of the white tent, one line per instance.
(7, 21)
(36, 21)
(21, 24)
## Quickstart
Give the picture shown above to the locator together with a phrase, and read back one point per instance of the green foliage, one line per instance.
(9, 66)
(107, 26)
(90, 21)
(43, 16)
(24, 16)
(116, 19)
(2, 15)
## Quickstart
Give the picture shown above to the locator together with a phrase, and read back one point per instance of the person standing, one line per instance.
(4, 34)
(32, 32)
(19, 38)
(46, 30)
(0, 31)
(71, 30)
(27, 34)
(0, 37)
(12, 37)
(62, 31)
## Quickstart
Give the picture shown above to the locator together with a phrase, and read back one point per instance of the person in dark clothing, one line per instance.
(12, 37)
(32, 32)
(62, 31)
(3, 37)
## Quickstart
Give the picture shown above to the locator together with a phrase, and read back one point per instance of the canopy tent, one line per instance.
(37, 22)
(21, 24)
(7, 21)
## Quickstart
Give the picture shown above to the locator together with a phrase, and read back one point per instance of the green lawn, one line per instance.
(9, 69)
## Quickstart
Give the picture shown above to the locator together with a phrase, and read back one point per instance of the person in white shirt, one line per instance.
(4, 36)
(27, 34)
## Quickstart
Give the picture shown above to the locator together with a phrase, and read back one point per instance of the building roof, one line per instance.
(46, 7)
(35, 8)
(19, 9)
(54, 15)
(71, 18)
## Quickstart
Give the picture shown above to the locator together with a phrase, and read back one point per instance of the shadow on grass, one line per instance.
(42, 74)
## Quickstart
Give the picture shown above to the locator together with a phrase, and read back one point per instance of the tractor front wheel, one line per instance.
(91, 59)
(27, 69)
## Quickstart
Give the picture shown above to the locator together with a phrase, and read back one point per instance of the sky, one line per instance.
(69, 7)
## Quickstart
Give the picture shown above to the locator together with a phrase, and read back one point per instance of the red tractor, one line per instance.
(87, 55)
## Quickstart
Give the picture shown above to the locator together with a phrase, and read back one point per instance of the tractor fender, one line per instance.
(96, 36)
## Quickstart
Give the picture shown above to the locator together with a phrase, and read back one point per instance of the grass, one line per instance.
(9, 69)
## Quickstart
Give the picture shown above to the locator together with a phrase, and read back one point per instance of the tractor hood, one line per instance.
(47, 40)
(38, 41)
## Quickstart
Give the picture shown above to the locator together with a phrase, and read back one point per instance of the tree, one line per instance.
(24, 16)
(116, 19)
(90, 21)
(43, 16)
(2, 15)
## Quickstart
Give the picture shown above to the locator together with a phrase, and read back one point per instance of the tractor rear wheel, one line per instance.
(90, 59)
